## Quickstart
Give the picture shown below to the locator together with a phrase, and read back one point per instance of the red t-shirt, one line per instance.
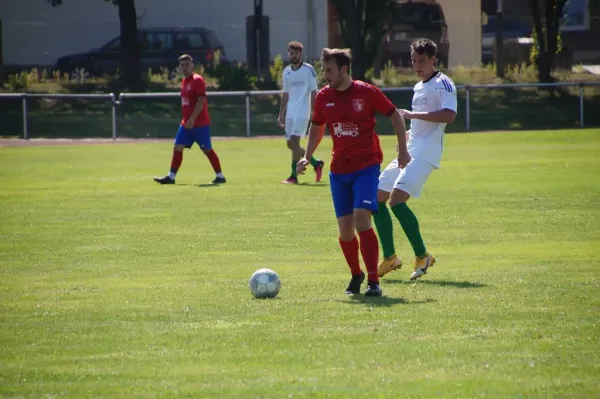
(350, 117)
(192, 88)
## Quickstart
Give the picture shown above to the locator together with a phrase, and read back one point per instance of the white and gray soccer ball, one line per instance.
(265, 283)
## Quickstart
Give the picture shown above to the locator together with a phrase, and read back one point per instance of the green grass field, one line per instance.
(113, 286)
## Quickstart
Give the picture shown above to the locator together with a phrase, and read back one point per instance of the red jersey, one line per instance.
(192, 88)
(350, 117)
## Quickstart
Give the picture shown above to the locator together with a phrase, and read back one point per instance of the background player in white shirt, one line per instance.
(299, 91)
(433, 107)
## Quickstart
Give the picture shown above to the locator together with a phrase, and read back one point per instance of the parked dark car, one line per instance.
(413, 19)
(159, 47)
(512, 28)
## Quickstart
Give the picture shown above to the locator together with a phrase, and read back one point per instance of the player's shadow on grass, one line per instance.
(438, 283)
(201, 185)
(313, 184)
(384, 301)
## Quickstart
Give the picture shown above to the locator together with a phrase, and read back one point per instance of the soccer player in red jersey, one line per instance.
(195, 125)
(348, 109)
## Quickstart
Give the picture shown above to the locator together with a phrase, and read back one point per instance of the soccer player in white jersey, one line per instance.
(433, 107)
(299, 91)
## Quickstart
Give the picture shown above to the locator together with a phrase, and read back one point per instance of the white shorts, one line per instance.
(411, 179)
(295, 127)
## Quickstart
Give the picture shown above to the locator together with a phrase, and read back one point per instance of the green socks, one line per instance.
(313, 161)
(410, 225)
(294, 174)
(385, 229)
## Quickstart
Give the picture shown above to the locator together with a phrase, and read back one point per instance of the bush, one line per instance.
(232, 76)
(18, 82)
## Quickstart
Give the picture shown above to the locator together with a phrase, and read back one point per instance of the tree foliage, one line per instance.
(363, 23)
(547, 34)
(131, 66)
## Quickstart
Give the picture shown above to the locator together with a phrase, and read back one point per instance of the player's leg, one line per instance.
(293, 144)
(383, 220)
(183, 139)
(341, 193)
(364, 192)
(302, 126)
(409, 184)
(202, 137)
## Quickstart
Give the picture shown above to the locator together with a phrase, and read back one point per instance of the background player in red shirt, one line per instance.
(195, 125)
(348, 109)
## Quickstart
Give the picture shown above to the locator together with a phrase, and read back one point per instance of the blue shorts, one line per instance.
(200, 135)
(354, 190)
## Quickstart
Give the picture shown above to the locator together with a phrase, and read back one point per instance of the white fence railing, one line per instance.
(116, 102)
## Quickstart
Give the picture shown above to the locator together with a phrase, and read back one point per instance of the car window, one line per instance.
(188, 41)
(213, 40)
(156, 41)
(113, 45)
(422, 15)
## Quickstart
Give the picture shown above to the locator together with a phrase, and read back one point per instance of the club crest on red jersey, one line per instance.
(358, 104)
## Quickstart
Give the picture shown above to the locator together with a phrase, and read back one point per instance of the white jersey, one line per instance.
(426, 139)
(298, 84)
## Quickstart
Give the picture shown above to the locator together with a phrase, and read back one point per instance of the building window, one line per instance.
(576, 16)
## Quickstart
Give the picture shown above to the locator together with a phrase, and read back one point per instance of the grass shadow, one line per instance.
(439, 283)
(384, 301)
(313, 184)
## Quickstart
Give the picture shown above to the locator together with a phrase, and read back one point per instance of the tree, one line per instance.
(547, 34)
(131, 65)
(363, 24)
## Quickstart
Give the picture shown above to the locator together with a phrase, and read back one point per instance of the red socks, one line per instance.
(350, 250)
(176, 161)
(214, 160)
(369, 248)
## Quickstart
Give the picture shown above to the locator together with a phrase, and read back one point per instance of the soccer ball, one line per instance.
(264, 283)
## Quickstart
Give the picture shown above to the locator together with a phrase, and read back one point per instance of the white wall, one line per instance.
(464, 31)
(35, 33)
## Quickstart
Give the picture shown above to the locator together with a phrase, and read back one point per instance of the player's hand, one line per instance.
(301, 166)
(281, 121)
(189, 124)
(407, 114)
(403, 159)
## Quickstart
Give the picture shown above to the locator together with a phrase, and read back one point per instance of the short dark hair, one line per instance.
(424, 46)
(295, 45)
(186, 57)
(341, 56)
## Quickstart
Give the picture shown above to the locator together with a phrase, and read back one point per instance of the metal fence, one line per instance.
(466, 92)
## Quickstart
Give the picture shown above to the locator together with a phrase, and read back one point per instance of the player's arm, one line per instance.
(198, 108)
(283, 105)
(400, 131)
(315, 133)
(285, 96)
(441, 116)
(313, 94)
(200, 90)
(446, 113)
(384, 106)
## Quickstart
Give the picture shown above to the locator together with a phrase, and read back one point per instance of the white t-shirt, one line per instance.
(298, 84)
(426, 139)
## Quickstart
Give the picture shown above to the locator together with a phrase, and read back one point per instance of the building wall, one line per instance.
(34, 33)
(463, 18)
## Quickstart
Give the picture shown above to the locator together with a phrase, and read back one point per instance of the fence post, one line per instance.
(25, 122)
(248, 127)
(114, 116)
(581, 121)
(468, 108)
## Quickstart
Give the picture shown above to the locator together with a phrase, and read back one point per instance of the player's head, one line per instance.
(335, 64)
(295, 52)
(423, 57)
(186, 63)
